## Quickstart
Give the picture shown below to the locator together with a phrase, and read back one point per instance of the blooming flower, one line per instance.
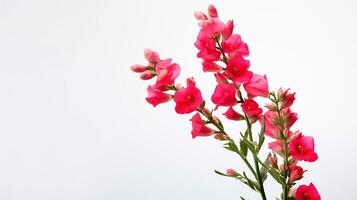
(257, 86)
(209, 66)
(302, 148)
(270, 119)
(233, 115)
(199, 128)
(224, 95)
(307, 192)
(237, 70)
(187, 99)
(235, 44)
(251, 108)
(167, 73)
(156, 97)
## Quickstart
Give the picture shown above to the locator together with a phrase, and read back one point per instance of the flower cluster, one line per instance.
(237, 88)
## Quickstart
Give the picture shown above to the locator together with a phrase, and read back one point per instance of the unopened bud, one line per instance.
(148, 74)
(200, 15)
(212, 11)
(138, 68)
(151, 56)
(231, 172)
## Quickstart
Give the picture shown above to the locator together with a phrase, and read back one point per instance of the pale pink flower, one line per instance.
(257, 86)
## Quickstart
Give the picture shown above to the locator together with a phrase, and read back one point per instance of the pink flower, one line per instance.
(138, 68)
(251, 108)
(147, 75)
(309, 192)
(271, 124)
(231, 172)
(212, 27)
(237, 70)
(286, 99)
(209, 66)
(151, 56)
(296, 173)
(289, 117)
(233, 115)
(228, 29)
(257, 86)
(200, 15)
(156, 97)
(220, 78)
(207, 47)
(302, 148)
(224, 95)
(277, 147)
(187, 99)
(167, 73)
(212, 11)
(199, 128)
(235, 44)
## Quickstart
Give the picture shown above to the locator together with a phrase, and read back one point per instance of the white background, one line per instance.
(74, 123)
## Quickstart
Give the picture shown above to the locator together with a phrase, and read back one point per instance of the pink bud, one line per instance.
(200, 15)
(296, 173)
(221, 137)
(233, 115)
(209, 66)
(148, 74)
(151, 56)
(190, 82)
(220, 78)
(138, 68)
(273, 161)
(212, 11)
(231, 172)
(228, 30)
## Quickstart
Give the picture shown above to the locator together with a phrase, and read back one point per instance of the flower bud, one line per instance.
(231, 172)
(138, 68)
(212, 11)
(148, 74)
(296, 173)
(200, 15)
(151, 56)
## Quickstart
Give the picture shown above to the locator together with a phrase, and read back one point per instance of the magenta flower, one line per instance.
(233, 115)
(251, 108)
(187, 99)
(199, 128)
(309, 192)
(257, 86)
(156, 97)
(235, 44)
(302, 148)
(224, 95)
(210, 66)
(237, 70)
(167, 73)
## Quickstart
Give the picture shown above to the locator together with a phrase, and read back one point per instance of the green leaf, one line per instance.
(243, 148)
(263, 170)
(261, 136)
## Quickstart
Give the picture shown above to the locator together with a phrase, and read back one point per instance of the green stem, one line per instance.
(258, 177)
(286, 185)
